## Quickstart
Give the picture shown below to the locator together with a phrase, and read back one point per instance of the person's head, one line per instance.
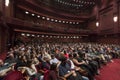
(29, 63)
(23, 58)
(11, 55)
(1, 62)
(65, 52)
(70, 56)
(53, 66)
(75, 55)
(46, 59)
(63, 60)
(52, 56)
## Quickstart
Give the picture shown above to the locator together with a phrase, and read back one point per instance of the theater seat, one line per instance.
(14, 75)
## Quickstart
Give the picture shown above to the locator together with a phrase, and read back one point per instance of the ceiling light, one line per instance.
(33, 14)
(38, 35)
(42, 35)
(63, 21)
(64, 36)
(26, 12)
(74, 37)
(77, 23)
(22, 34)
(48, 18)
(56, 20)
(70, 22)
(33, 35)
(60, 21)
(28, 34)
(38, 16)
(43, 17)
(67, 22)
(52, 19)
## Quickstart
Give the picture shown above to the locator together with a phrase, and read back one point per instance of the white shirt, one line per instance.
(55, 60)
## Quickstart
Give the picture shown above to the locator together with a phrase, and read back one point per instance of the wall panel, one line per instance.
(0, 40)
(106, 21)
(119, 17)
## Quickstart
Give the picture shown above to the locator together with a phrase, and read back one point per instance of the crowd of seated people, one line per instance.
(58, 61)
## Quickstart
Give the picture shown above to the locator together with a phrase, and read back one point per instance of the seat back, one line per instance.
(14, 75)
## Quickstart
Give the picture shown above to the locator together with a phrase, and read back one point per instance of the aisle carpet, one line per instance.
(111, 71)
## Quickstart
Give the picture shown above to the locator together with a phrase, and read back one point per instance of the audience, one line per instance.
(58, 61)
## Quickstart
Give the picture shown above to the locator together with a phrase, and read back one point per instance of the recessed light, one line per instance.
(38, 16)
(33, 14)
(33, 35)
(56, 20)
(52, 19)
(38, 35)
(26, 12)
(42, 35)
(70, 22)
(60, 21)
(22, 34)
(48, 18)
(28, 34)
(43, 17)
(77, 23)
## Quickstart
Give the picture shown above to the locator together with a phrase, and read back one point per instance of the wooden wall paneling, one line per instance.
(119, 17)
(106, 21)
(0, 40)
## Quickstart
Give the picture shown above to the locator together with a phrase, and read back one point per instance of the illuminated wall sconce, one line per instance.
(7, 3)
(115, 18)
(97, 23)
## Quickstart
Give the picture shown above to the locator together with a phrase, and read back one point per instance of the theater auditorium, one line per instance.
(59, 40)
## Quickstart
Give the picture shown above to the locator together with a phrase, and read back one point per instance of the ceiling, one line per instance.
(75, 7)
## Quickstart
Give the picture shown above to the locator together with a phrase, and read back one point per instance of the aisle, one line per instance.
(110, 72)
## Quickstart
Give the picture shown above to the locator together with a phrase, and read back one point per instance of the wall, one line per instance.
(119, 17)
(108, 30)
(92, 25)
(3, 38)
(109, 39)
(106, 21)
(0, 40)
(0, 25)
